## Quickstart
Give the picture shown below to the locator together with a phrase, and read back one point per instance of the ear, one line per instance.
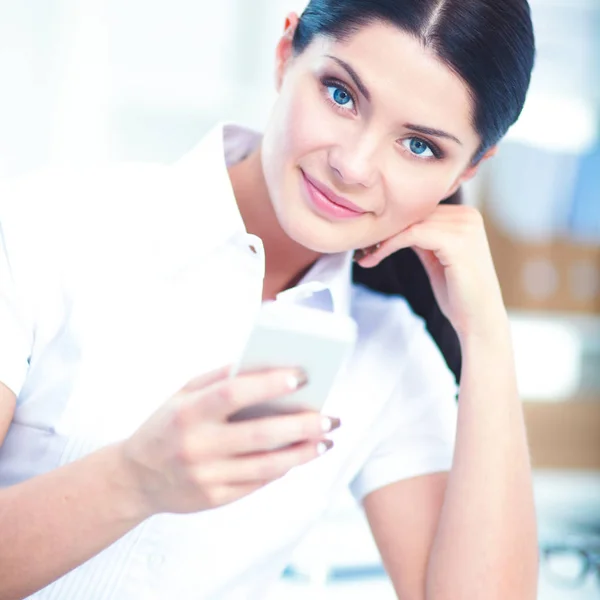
(471, 171)
(284, 51)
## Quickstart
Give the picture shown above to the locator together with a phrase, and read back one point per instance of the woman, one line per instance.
(131, 286)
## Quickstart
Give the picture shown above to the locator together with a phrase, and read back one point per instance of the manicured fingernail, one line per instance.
(359, 255)
(329, 424)
(364, 252)
(325, 446)
(297, 380)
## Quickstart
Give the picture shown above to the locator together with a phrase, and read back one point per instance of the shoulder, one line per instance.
(65, 193)
(54, 211)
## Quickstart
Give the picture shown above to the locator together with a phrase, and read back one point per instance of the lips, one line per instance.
(338, 201)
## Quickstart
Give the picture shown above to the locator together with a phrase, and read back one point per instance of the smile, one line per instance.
(328, 204)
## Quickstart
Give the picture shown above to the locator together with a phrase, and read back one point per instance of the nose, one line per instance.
(354, 161)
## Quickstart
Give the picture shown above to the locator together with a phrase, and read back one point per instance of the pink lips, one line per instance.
(328, 203)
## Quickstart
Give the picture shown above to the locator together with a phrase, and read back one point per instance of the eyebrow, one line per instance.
(433, 132)
(362, 88)
(365, 92)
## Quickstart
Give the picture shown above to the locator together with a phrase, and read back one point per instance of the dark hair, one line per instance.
(490, 45)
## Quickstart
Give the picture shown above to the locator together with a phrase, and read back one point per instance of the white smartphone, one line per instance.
(290, 335)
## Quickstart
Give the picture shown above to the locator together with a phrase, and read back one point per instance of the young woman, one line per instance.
(125, 291)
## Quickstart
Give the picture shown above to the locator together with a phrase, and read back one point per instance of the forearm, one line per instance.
(57, 521)
(486, 540)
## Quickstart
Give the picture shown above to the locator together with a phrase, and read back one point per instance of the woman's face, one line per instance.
(376, 123)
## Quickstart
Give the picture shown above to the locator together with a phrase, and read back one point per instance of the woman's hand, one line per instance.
(189, 457)
(454, 250)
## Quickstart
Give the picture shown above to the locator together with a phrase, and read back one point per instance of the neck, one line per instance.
(286, 261)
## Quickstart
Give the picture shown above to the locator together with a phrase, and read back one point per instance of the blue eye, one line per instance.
(419, 148)
(339, 95)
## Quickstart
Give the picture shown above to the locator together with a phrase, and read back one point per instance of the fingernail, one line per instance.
(330, 424)
(325, 446)
(359, 255)
(364, 252)
(297, 380)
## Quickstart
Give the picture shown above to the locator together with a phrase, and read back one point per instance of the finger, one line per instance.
(207, 379)
(268, 466)
(250, 437)
(382, 250)
(425, 235)
(226, 397)
(259, 435)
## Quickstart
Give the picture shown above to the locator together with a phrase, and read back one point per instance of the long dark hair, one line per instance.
(490, 45)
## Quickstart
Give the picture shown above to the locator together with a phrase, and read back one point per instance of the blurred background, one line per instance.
(101, 80)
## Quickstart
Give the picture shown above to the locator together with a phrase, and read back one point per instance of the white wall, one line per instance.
(107, 79)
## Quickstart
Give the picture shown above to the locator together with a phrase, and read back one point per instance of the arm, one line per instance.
(187, 457)
(62, 518)
(472, 533)
(486, 542)
(481, 541)
(403, 518)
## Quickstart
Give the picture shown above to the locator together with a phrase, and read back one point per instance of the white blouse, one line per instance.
(120, 284)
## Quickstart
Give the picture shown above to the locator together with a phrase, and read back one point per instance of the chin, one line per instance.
(313, 233)
(307, 228)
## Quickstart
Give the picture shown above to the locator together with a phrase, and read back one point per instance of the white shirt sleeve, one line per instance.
(15, 328)
(416, 432)
(16, 324)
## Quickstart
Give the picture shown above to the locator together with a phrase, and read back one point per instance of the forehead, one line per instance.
(407, 81)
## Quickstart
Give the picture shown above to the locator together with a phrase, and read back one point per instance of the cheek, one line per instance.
(286, 137)
(416, 191)
(413, 194)
(306, 125)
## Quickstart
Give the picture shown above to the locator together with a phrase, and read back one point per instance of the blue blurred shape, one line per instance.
(339, 574)
(584, 221)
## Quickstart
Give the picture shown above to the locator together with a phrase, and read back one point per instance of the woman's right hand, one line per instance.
(188, 456)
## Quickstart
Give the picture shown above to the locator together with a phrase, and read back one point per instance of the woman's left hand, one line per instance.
(453, 247)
